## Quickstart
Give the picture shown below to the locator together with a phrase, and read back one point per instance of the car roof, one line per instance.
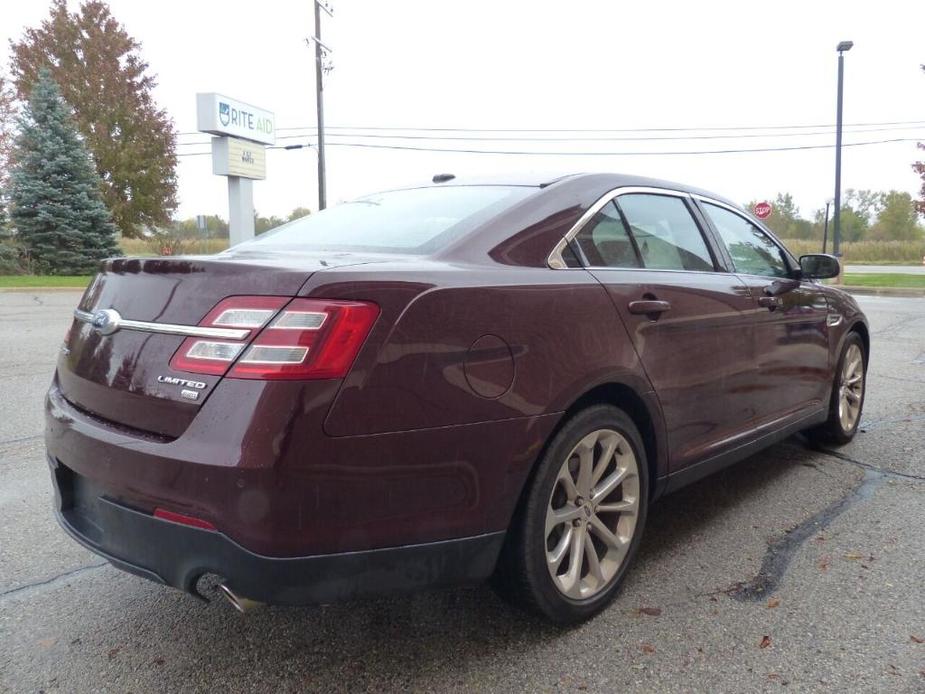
(545, 179)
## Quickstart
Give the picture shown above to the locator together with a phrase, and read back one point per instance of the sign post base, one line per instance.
(241, 208)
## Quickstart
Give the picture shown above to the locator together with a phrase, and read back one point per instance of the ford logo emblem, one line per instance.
(106, 321)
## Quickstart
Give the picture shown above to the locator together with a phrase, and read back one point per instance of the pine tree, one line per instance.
(55, 201)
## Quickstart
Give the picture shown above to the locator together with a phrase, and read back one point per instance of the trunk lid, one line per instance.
(125, 377)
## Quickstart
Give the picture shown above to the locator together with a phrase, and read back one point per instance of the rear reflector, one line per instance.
(183, 519)
(307, 339)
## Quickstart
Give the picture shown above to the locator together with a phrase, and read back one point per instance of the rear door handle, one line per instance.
(770, 302)
(648, 307)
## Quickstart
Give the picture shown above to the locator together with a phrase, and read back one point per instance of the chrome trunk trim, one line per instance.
(169, 328)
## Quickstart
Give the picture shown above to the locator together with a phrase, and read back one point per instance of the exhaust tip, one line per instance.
(239, 602)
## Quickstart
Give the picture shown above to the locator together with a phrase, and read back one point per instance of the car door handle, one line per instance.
(771, 303)
(648, 307)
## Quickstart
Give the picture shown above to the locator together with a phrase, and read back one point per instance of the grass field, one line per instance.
(79, 281)
(144, 247)
(897, 280)
(866, 252)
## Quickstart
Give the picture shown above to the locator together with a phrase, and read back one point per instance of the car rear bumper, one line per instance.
(178, 555)
(279, 487)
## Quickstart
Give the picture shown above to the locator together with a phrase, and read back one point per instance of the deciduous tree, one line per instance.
(898, 219)
(298, 213)
(264, 224)
(785, 220)
(106, 81)
(919, 167)
(7, 117)
(56, 206)
(215, 227)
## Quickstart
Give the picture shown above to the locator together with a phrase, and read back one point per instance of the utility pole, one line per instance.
(842, 47)
(320, 52)
(825, 233)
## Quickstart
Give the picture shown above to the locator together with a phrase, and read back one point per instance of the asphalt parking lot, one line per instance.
(796, 569)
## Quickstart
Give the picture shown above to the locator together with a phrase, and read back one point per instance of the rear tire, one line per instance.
(579, 525)
(847, 401)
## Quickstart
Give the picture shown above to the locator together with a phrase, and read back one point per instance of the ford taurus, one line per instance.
(441, 384)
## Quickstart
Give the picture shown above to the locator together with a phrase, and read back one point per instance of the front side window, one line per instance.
(751, 250)
(666, 234)
(417, 220)
(604, 240)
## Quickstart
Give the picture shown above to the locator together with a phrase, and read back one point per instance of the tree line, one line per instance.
(866, 215)
(87, 155)
(216, 226)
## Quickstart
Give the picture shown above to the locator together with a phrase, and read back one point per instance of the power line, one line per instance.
(594, 130)
(793, 148)
(579, 138)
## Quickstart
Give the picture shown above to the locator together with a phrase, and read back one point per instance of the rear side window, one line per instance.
(666, 234)
(605, 242)
(417, 221)
(751, 250)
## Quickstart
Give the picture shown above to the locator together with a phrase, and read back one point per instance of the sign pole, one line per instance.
(241, 209)
(239, 152)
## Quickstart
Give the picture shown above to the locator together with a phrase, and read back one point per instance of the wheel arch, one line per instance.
(627, 399)
(642, 410)
(863, 331)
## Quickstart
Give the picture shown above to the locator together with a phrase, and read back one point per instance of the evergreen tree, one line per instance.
(56, 206)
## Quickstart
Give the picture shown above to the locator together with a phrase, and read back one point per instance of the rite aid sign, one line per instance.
(220, 115)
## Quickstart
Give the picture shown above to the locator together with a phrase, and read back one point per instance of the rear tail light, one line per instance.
(301, 339)
(310, 338)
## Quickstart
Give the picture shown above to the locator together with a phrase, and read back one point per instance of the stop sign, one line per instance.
(762, 210)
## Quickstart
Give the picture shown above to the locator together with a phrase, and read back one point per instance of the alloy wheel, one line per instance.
(851, 388)
(592, 513)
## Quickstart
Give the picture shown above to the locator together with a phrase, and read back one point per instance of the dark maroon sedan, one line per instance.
(441, 384)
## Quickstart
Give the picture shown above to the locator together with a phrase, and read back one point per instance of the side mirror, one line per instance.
(819, 266)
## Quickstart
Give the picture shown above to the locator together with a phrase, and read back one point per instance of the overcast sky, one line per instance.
(541, 65)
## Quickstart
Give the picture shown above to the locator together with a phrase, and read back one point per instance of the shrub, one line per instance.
(156, 244)
(13, 259)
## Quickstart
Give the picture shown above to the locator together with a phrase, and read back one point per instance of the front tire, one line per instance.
(580, 524)
(847, 400)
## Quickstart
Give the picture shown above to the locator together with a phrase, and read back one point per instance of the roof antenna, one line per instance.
(443, 178)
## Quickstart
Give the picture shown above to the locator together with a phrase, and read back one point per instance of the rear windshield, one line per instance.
(419, 220)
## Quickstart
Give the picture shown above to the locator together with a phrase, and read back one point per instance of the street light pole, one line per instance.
(836, 237)
(825, 232)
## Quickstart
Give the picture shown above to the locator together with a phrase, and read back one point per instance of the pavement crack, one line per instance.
(21, 439)
(781, 551)
(867, 466)
(28, 587)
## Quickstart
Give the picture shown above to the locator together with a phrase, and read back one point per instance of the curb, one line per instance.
(26, 290)
(908, 292)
